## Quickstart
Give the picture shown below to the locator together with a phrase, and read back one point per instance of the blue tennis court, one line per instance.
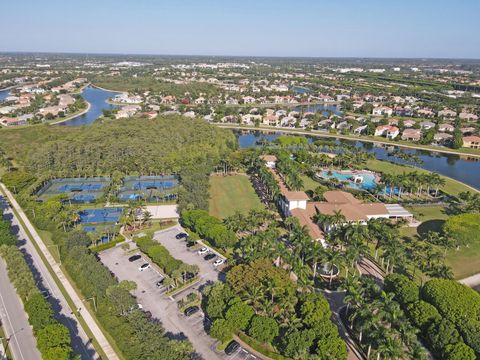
(147, 185)
(95, 216)
(81, 187)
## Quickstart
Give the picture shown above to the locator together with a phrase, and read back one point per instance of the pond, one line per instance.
(459, 168)
(4, 94)
(98, 102)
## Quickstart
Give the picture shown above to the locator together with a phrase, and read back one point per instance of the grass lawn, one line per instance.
(232, 193)
(309, 183)
(464, 262)
(452, 187)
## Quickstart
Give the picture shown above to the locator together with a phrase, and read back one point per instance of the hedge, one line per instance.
(459, 304)
(159, 255)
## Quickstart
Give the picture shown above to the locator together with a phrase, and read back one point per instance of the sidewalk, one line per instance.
(83, 312)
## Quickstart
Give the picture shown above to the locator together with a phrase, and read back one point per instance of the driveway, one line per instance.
(164, 308)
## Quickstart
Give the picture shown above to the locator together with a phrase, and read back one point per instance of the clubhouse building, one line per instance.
(298, 204)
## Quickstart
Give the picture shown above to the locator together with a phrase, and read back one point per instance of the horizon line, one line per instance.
(236, 56)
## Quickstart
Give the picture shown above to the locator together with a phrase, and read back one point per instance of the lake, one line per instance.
(98, 102)
(453, 166)
(4, 94)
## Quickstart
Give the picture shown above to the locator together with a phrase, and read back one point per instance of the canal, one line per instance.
(457, 167)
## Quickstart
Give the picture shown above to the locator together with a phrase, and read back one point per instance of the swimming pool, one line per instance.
(368, 182)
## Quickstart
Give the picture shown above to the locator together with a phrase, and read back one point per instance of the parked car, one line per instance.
(203, 250)
(46, 294)
(191, 243)
(189, 275)
(144, 266)
(218, 262)
(191, 310)
(209, 256)
(159, 283)
(148, 314)
(232, 347)
(134, 258)
(181, 236)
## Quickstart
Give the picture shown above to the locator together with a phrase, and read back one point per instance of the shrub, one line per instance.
(405, 290)
(459, 351)
(263, 329)
(422, 314)
(442, 333)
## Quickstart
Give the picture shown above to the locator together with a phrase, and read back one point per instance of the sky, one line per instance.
(296, 28)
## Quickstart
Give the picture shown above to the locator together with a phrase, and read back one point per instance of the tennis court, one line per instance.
(98, 216)
(78, 190)
(149, 188)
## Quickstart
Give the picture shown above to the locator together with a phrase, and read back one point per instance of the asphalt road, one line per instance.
(14, 320)
(80, 341)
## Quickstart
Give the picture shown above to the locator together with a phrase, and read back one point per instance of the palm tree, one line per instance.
(253, 296)
(332, 257)
(390, 348)
(316, 253)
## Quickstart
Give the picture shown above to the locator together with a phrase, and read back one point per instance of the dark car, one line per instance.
(148, 314)
(190, 244)
(209, 256)
(181, 236)
(134, 258)
(232, 347)
(191, 310)
(159, 283)
(189, 275)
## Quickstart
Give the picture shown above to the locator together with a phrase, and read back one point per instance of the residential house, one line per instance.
(390, 132)
(472, 142)
(412, 134)
(360, 130)
(441, 138)
(409, 123)
(10, 121)
(468, 116)
(446, 128)
(248, 100)
(427, 125)
(447, 113)
(382, 110)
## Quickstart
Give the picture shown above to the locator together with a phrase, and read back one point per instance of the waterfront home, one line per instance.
(271, 120)
(472, 142)
(441, 138)
(360, 130)
(468, 116)
(446, 128)
(390, 132)
(412, 134)
(150, 114)
(467, 130)
(65, 100)
(54, 110)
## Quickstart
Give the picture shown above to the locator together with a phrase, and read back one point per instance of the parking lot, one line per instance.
(178, 249)
(164, 307)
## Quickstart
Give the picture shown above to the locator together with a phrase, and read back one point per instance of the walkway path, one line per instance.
(472, 281)
(82, 311)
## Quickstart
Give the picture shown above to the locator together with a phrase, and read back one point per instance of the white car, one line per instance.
(202, 251)
(144, 267)
(218, 262)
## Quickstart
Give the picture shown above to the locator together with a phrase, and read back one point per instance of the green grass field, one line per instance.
(232, 193)
(452, 187)
(465, 261)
